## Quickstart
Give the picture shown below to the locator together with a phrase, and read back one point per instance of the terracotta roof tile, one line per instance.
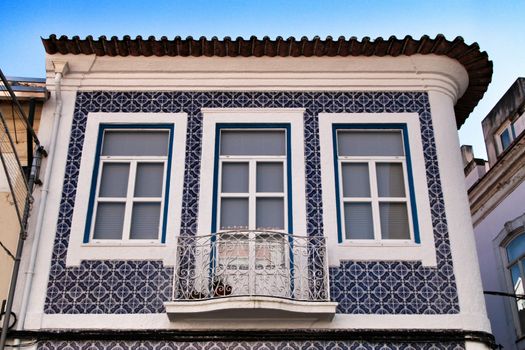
(476, 62)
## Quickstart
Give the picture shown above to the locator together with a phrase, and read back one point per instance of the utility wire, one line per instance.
(8, 252)
(503, 294)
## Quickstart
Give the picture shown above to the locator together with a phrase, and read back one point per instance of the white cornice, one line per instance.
(498, 183)
(404, 73)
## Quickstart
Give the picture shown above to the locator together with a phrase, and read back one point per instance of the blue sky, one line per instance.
(497, 26)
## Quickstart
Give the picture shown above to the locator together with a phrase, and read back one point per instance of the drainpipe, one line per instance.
(61, 68)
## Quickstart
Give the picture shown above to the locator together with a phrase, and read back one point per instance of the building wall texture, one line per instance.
(362, 287)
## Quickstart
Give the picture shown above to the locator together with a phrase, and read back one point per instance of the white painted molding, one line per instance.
(250, 307)
(403, 73)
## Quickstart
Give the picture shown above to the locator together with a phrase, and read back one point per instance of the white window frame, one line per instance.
(130, 199)
(252, 193)
(374, 198)
(133, 249)
(520, 260)
(292, 116)
(376, 250)
(507, 126)
(251, 259)
(512, 230)
(519, 121)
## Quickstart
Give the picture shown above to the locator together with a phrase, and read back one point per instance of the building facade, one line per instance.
(28, 91)
(257, 194)
(496, 190)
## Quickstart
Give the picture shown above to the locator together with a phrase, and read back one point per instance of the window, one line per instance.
(519, 124)
(505, 138)
(373, 183)
(509, 131)
(515, 265)
(130, 183)
(253, 180)
(253, 196)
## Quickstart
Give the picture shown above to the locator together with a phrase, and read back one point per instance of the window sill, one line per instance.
(123, 244)
(385, 243)
(380, 251)
(250, 307)
(154, 251)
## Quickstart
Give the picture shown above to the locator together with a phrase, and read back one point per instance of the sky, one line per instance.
(496, 25)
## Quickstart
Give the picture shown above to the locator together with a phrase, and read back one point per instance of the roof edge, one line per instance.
(476, 62)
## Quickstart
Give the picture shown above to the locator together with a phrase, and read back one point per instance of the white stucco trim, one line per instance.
(461, 236)
(161, 321)
(49, 225)
(491, 238)
(511, 230)
(292, 116)
(402, 73)
(78, 250)
(385, 250)
(242, 307)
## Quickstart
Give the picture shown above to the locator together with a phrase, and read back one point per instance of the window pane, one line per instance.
(517, 285)
(505, 139)
(516, 279)
(356, 182)
(253, 142)
(135, 143)
(390, 180)
(235, 177)
(394, 221)
(234, 254)
(516, 248)
(519, 125)
(114, 180)
(148, 182)
(358, 221)
(369, 143)
(270, 213)
(270, 251)
(270, 177)
(145, 221)
(109, 221)
(234, 213)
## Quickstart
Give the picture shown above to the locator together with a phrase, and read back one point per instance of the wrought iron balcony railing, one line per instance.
(251, 263)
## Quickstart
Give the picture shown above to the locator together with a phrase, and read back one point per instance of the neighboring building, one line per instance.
(256, 194)
(497, 202)
(26, 90)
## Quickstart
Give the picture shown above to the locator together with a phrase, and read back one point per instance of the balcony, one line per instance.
(269, 274)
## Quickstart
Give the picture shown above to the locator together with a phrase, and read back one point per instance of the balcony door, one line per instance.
(252, 254)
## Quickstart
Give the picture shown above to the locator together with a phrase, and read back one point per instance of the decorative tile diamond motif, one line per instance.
(360, 287)
(246, 345)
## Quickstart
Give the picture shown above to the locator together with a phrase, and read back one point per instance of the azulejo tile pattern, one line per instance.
(360, 287)
(223, 345)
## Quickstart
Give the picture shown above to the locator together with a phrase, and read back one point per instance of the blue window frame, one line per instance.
(374, 184)
(505, 139)
(515, 251)
(130, 183)
(249, 165)
(252, 208)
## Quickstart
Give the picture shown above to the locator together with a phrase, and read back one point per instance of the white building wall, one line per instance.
(444, 80)
(487, 231)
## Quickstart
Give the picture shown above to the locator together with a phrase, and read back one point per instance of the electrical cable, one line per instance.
(8, 252)
(2, 314)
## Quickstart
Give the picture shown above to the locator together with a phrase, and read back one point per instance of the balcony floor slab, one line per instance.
(250, 307)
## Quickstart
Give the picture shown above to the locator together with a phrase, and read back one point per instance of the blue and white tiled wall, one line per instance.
(360, 287)
(247, 345)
